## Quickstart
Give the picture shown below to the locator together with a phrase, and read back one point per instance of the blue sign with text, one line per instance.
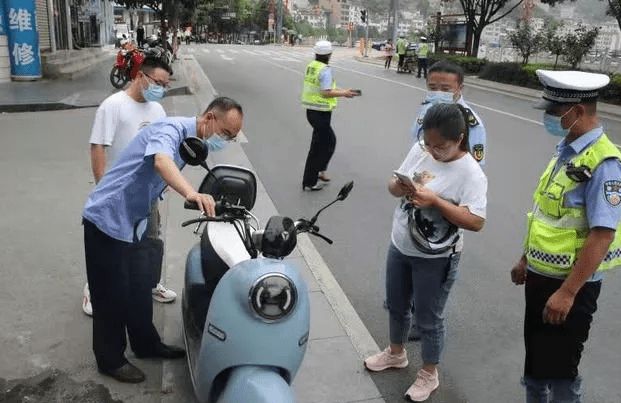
(21, 26)
(2, 30)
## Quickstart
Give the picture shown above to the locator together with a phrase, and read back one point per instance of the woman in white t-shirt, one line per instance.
(446, 196)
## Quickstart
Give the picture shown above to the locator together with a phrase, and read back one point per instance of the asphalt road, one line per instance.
(484, 351)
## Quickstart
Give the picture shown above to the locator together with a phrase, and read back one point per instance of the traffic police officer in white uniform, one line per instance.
(445, 83)
(572, 236)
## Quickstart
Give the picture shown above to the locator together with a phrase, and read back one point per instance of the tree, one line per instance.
(578, 44)
(555, 43)
(526, 40)
(481, 13)
(614, 7)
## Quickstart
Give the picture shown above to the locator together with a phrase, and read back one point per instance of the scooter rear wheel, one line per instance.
(118, 77)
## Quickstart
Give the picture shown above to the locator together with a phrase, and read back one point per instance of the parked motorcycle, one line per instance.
(126, 66)
(246, 312)
(129, 60)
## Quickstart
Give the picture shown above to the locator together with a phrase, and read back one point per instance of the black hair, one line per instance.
(451, 120)
(444, 66)
(151, 63)
(323, 58)
(223, 105)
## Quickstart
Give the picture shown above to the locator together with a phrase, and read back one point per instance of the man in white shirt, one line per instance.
(118, 120)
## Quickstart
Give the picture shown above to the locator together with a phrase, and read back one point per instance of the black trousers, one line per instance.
(401, 60)
(422, 65)
(387, 62)
(554, 351)
(120, 281)
(321, 147)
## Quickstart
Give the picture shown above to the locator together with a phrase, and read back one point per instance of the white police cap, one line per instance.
(322, 48)
(569, 87)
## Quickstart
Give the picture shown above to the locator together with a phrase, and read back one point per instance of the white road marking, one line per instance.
(225, 57)
(220, 51)
(425, 90)
(206, 50)
(233, 51)
(250, 52)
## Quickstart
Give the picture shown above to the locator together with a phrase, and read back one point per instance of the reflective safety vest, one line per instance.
(557, 233)
(423, 50)
(311, 94)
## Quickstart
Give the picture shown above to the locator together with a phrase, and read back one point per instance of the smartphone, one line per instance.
(357, 92)
(406, 179)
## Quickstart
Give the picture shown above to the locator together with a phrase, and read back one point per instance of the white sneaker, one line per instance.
(86, 301)
(384, 360)
(163, 294)
(422, 387)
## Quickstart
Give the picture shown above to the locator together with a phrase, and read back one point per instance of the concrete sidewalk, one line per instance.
(43, 326)
(85, 91)
(604, 109)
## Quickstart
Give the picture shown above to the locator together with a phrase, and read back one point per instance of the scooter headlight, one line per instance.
(273, 296)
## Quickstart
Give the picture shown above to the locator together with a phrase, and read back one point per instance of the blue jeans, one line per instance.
(424, 283)
(552, 390)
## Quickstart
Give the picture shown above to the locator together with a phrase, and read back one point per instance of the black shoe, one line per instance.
(162, 350)
(128, 373)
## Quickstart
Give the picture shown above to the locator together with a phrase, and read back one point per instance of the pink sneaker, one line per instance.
(422, 387)
(384, 360)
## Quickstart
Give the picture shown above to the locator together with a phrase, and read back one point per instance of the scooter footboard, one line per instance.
(256, 384)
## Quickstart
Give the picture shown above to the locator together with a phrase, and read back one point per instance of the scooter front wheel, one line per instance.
(118, 77)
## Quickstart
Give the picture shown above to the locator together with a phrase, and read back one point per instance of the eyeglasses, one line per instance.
(160, 83)
(439, 150)
(225, 134)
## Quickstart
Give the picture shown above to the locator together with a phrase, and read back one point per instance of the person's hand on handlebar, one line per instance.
(205, 203)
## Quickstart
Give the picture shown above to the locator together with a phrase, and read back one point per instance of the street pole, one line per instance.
(395, 20)
(279, 20)
(366, 36)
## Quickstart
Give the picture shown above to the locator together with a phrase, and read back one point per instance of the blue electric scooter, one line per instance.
(246, 312)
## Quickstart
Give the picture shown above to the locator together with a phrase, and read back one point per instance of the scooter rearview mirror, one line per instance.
(345, 191)
(193, 151)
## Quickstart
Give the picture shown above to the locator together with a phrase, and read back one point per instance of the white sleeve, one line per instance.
(474, 193)
(104, 126)
(410, 158)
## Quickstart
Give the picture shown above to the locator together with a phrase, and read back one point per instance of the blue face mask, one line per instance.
(216, 143)
(553, 124)
(153, 93)
(439, 97)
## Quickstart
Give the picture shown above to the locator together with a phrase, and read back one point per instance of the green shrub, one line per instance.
(510, 73)
(471, 65)
(525, 76)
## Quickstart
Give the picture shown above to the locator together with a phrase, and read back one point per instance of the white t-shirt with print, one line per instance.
(461, 182)
(118, 120)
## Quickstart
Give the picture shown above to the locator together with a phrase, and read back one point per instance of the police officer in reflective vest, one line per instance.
(319, 97)
(572, 236)
(422, 52)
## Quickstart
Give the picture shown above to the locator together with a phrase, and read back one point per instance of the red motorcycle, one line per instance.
(126, 67)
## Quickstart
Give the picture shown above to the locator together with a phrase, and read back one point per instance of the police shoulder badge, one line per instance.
(472, 120)
(478, 152)
(612, 192)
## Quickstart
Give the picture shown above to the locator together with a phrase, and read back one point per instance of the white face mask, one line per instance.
(439, 97)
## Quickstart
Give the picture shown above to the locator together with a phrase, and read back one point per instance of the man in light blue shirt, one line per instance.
(115, 217)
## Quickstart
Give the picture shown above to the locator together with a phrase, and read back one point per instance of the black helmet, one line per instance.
(279, 237)
(430, 232)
